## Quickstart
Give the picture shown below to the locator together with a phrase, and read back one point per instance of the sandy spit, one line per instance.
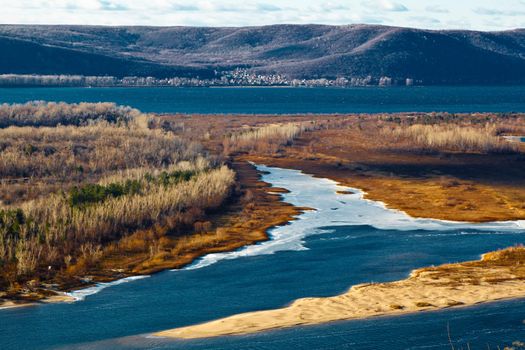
(426, 289)
(59, 298)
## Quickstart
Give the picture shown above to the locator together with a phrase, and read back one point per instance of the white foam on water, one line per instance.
(333, 209)
(81, 294)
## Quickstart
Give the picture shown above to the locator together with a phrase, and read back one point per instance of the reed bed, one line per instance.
(453, 138)
(40, 113)
(265, 139)
(43, 232)
(36, 161)
(77, 178)
(95, 149)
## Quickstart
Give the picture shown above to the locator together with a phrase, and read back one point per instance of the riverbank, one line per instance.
(498, 275)
(455, 186)
(59, 297)
(362, 151)
(272, 274)
(243, 221)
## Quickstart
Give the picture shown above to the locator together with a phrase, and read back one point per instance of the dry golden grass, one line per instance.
(453, 137)
(158, 227)
(40, 113)
(68, 191)
(52, 228)
(350, 149)
(265, 139)
(38, 158)
(241, 222)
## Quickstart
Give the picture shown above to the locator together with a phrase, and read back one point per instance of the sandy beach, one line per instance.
(59, 298)
(496, 276)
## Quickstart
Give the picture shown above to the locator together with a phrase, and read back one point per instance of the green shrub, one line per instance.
(11, 221)
(95, 193)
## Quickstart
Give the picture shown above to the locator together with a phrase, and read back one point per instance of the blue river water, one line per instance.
(345, 242)
(329, 257)
(288, 100)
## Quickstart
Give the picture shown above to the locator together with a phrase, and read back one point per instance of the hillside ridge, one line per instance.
(295, 51)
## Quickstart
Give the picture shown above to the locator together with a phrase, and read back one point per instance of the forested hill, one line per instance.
(295, 51)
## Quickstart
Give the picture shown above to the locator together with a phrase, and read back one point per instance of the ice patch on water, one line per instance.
(81, 294)
(465, 233)
(332, 209)
(336, 209)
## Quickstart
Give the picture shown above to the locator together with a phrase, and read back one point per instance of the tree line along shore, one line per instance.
(235, 78)
(95, 192)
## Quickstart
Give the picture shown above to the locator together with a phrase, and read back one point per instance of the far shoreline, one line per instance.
(393, 86)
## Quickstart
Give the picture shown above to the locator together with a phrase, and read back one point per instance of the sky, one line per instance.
(430, 14)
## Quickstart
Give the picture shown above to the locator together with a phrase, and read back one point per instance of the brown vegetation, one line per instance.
(46, 231)
(453, 138)
(450, 182)
(250, 213)
(69, 191)
(110, 199)
(37, 161)
(444, 184)
(53, 114)
(265, 139)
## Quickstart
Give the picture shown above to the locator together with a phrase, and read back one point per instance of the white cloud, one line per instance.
(436, 9)
(184, 7)
(268, 7)
(473, 14)
(426, 21)
(334, 6)
(497, 12)
(107, 5)
(385, 5)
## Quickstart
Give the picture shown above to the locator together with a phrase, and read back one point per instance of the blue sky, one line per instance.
(433, 14)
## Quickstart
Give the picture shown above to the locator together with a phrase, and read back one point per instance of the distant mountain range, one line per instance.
(295, 51)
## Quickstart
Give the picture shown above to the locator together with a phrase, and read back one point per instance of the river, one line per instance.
(289, 100)
(346, 241)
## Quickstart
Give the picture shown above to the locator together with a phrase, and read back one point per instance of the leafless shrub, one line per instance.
(40, 113)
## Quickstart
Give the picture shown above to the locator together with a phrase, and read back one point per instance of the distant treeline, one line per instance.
(13, 80)
(235, 78)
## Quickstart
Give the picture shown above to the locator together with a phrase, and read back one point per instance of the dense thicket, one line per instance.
(75, 178)
(56, 231)
(67, 151)
(40, 113)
